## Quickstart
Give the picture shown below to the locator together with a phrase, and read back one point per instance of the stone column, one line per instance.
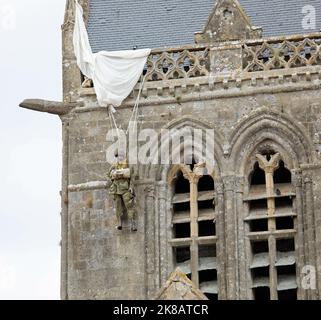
(269, 167)
(193, 180)
(149, 209)
(221, 245)
(230, 236)
(310, 223)
(163, 231)
(64, 212)
(297, 183)
(240, 236)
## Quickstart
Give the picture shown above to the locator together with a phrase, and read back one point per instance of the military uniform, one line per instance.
(122, 192)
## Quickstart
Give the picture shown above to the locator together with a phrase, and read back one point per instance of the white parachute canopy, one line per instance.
(114, 73)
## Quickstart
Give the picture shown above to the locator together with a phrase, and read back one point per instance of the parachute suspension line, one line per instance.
(111, 111)
(113, 124)
(134, 116)
(133, 119)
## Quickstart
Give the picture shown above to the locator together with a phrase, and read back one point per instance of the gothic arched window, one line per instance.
(194, 227)
(271, 229)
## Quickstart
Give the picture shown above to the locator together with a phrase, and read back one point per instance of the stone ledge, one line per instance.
(98, 185)
(92, 185)
(310, 166)
(227, 81)
(209, 88)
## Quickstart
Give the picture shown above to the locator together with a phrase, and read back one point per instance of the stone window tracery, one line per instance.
(194, 236)
(271, 229)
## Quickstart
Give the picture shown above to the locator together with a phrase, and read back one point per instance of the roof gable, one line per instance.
(228, 21)
(179, 287)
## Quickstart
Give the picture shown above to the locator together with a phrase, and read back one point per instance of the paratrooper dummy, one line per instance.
(121, 189)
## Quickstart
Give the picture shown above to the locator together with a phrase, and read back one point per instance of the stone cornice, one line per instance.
(209, 88)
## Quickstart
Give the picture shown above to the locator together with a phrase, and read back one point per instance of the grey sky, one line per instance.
(30, 162)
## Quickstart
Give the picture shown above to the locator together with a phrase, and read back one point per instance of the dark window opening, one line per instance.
(178, 207)
(282, 175)
(284, 223)
(207, 204)
(259, 225)
(205, 251)
(258, 204)
(260, 247)
(287, 270)
(262, 272)
(211, 296)
(262, 293)
(182, 230)
(181, 184)
(206, 183)
(182, 254)
(285, 245)
(207, 275)
(258, 176)
(283, 202)
(288, 295)
(206, 228)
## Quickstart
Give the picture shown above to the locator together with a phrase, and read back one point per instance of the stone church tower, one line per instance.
(251, 228)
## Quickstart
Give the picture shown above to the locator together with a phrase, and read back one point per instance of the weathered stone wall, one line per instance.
(102, 262)
(108, 264)
(88, 129)
(244, 106)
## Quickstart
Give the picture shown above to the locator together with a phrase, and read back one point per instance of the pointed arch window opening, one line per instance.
(194, 228)
(271, 227)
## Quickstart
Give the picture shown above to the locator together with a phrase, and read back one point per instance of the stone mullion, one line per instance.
(272, 246)
(193, 179)
(269, 167)
(273, 272)
(272, 228)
